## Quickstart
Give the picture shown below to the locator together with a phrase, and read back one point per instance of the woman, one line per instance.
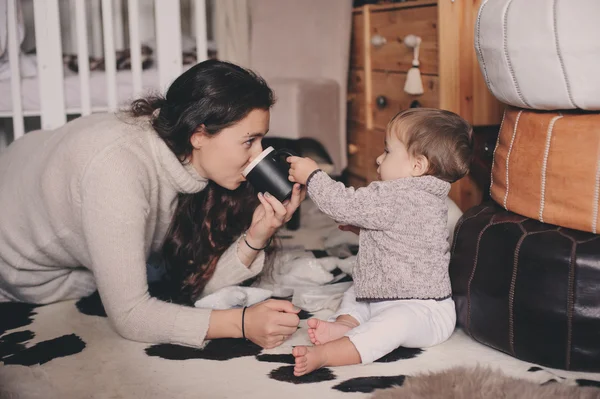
(82, 208)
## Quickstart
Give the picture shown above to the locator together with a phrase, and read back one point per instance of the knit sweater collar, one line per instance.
(182, 176)
(429, 184)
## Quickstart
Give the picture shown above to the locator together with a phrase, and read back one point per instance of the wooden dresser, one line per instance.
(449, 71)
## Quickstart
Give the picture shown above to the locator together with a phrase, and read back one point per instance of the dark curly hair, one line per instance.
(213, 94)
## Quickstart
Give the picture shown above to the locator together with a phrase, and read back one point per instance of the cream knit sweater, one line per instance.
(83, 206)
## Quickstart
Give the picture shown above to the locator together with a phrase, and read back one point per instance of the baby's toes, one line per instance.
(299, 351)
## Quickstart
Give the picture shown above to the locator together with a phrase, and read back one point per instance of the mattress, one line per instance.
(72, 84)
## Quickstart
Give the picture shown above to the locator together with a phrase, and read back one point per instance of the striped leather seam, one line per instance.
(510, 67)
(570, 305)
(559, 53)
(545, 166)
(468, 326)
(512, 140)
(511, 294)
(494, 154)
(478, 38)
(460, 223)
(596, 198)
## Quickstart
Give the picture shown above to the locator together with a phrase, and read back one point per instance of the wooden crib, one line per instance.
(54, 95)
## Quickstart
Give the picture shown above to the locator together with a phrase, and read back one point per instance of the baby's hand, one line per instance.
(349, 227)
(301, 168)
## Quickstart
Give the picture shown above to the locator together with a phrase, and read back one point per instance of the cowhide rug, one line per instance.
(68, 350)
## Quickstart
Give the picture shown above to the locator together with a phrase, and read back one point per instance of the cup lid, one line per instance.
(256, 160)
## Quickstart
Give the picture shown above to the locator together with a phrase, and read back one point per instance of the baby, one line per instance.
(401, 294)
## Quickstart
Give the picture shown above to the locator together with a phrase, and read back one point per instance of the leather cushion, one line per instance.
(540, 54)
(547, 166)
(527, 288)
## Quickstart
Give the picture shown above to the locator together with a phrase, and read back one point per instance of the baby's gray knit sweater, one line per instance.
(403, 244)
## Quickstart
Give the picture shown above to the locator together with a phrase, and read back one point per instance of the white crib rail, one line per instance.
(168, 40)
(110, 60)
(50, 66)
(51, 80)
(135, 45)
(199, 14)
(15, 82)
(83, 63)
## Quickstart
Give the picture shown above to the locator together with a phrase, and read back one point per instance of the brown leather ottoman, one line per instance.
(547, 166)
(527, 288)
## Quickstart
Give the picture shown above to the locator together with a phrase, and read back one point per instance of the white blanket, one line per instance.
(298, 274)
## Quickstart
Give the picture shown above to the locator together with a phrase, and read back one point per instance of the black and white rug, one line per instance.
(68, 350)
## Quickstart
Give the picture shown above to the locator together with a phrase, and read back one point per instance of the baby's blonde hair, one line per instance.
(443, 137)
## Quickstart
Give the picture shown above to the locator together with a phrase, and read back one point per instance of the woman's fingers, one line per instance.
(288, 320)
(298, 195)
(272, 322)
(295, 200)
(276, 340)
(276, 206)
(286, 330)
(281, 305)
(302, 194)
(293, 203)
(269, 211)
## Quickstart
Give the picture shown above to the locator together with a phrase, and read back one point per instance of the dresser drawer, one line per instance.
(357, 46)
(356, 92)
(376, 144)
(389, 96)
(357, 149)
(394, 25)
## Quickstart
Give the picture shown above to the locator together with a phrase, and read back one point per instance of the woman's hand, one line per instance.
(271, 214)
(291, 205)
(268, 324)
(349, 227)
(301, 169)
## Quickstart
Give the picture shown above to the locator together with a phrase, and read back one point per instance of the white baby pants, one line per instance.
(384, 326)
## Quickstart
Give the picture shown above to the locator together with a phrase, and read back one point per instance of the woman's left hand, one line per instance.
(271, 214)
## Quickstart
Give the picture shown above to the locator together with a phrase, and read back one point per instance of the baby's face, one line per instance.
(395, 162)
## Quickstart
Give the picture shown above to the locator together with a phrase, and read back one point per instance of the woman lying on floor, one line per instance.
(82, 208)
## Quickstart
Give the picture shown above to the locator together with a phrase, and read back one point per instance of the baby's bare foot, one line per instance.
(308, 359)
(320, 332)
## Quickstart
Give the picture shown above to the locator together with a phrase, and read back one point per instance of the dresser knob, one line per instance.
(412, 41)
(381, 102)
(378, 41)
(352, 149)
